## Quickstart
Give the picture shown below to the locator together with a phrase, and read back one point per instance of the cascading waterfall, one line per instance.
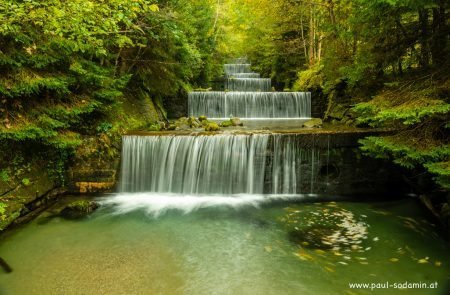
(217, 164)
(246, 75)
(193, 171)
(248, 84)
(231, 69)
(248, 96)
(215, 104)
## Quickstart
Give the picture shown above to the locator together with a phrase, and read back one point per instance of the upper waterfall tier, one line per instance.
(245, 75)
(248, 84)
(231, 69)
(250, 104)
(218, 164)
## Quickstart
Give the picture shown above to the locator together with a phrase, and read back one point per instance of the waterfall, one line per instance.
(245, 75)
(248, 96)
(214, 104)
(217, 164)
(248, 84)
(231, 69)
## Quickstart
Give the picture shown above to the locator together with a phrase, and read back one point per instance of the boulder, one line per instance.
(236, 121)
(182, 123)
(227, 123)
(194, 122)
(212, 126)
(337, 112)
(79, 209)
(313, 123)
(202, 118)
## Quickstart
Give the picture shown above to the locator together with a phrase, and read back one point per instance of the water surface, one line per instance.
(245, 244)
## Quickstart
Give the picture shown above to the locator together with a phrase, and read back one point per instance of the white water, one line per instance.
(214, 104)
(156, 204)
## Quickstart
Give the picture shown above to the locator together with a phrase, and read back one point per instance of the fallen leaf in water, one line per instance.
(318, 251)
(364, 262)
(268, 249)
(438, 263)
(329, 269)
(422, 261)
(342, 262)
(393, 259)
(376, 239)
(303, 256)
(338, 254)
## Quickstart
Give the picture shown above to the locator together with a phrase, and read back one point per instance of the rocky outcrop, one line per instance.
(79, 209)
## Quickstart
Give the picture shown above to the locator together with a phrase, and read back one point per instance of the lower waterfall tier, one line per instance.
(220, 164)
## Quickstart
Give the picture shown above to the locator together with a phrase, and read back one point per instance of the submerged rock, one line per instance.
(313, 123)
(5, 266)
(79, 209)
(212, 126)
(313, 237)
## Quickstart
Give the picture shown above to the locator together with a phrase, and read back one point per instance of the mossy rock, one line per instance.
(154, 127)
(337, 112)
(182, 123)
(236, 121)
(226, 123)
(79, 209)
(212, 126)
(202, 118)
(194, 122)
(313, 123)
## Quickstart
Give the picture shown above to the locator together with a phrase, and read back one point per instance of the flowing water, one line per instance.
(217, 105)
(248, 96)
(219, 164)
(151, 243)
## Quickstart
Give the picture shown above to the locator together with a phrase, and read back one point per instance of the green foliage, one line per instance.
(3, 210)
(404, 153)
(4, 175)
(407, 113)
(67, 67)
(310, 79)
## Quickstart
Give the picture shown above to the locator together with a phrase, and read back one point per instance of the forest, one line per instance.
(67, 69)
(104, 107)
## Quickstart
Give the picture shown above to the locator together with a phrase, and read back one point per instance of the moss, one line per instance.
(227, 123)
(212, 126)
(79, 209)
(202, 118)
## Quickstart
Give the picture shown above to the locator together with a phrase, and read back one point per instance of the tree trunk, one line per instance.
(311, 36)
(440, 33)
(303, 37)
(423, 38)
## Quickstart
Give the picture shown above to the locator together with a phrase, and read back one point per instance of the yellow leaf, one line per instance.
(154, 7)
(393, 259)
(421, 261)
(329, 269)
